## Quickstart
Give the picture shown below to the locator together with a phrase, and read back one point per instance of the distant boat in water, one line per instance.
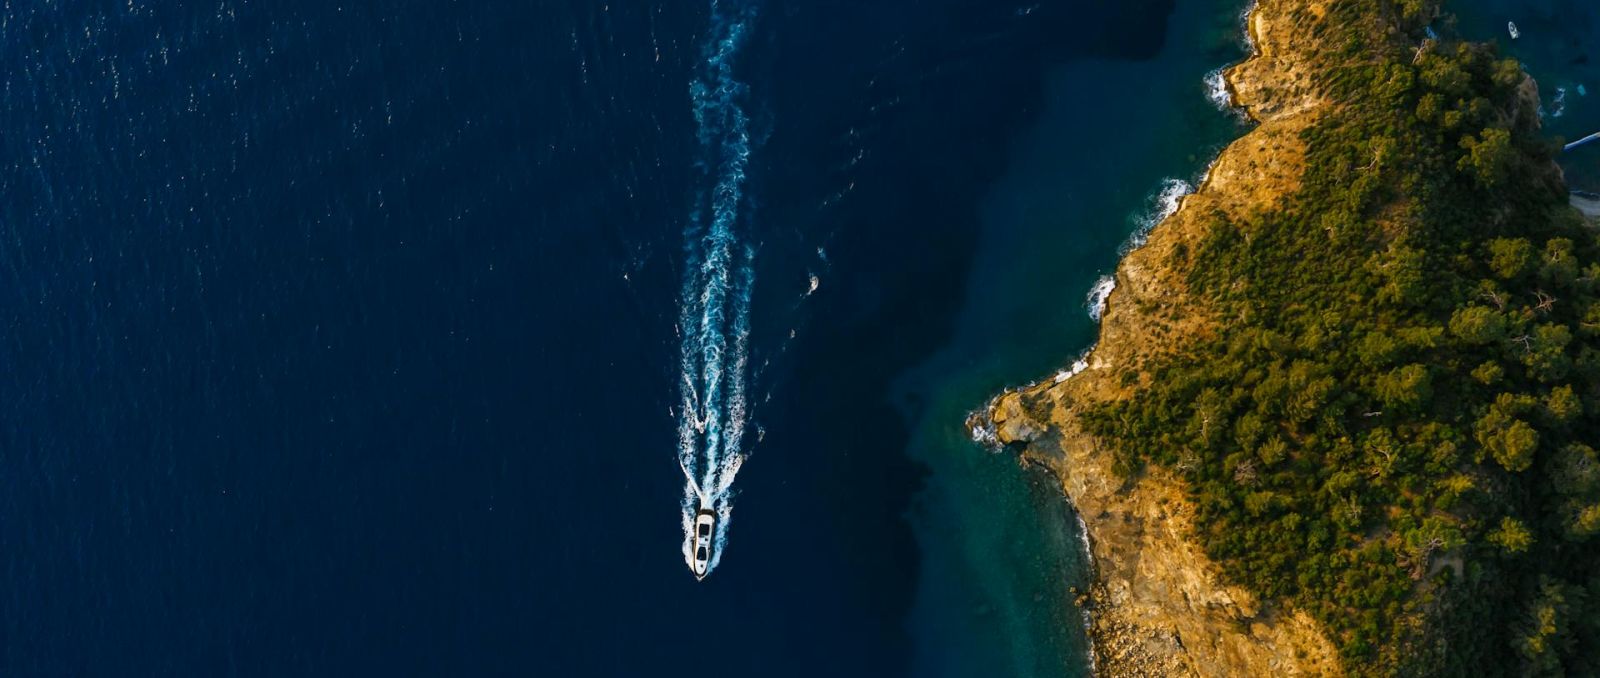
(1511, 27)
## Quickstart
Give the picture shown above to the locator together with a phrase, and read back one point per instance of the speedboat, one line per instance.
(705, 527)
(1511, 27)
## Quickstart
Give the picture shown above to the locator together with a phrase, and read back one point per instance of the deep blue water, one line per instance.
(345, 338)
(1560, 46)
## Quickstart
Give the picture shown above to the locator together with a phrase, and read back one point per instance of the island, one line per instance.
(1342, 413)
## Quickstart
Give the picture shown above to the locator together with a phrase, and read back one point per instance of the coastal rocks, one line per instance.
(1159, 606)
(1275, 83)
(1010, 424)
(1527, 112)
(1135, 651)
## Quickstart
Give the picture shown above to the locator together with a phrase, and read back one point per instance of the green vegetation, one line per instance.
(1392, 427)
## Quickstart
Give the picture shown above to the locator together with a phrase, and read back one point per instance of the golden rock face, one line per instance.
(1158, 606)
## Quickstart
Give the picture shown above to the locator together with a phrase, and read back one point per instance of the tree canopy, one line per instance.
(1395, 434)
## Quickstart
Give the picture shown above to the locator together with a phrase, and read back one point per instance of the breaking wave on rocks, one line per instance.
(1164, 203)
(1098, 295)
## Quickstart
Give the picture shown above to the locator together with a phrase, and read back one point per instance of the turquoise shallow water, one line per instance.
(1111, 137)
(344, 338)
(353, 338)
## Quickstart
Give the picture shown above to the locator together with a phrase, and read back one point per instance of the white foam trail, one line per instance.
(715, 315)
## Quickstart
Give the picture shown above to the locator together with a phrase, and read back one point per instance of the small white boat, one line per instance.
(1511, 27)
(705, 525)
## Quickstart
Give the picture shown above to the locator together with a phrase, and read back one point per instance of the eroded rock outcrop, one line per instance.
(1159, 606)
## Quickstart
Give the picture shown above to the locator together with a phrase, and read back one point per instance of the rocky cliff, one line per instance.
(1159, 606)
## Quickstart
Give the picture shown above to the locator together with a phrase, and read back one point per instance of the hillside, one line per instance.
(1340, 414)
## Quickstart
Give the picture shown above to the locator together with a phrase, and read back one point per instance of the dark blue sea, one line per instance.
(400, 338)
(1559, 45)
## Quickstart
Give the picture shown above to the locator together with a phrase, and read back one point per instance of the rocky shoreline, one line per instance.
(1158, 606)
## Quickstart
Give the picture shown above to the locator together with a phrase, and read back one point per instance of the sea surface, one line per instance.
(398, 338)
(1559, 45)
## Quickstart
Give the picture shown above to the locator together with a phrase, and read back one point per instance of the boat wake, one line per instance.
(714, 315)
